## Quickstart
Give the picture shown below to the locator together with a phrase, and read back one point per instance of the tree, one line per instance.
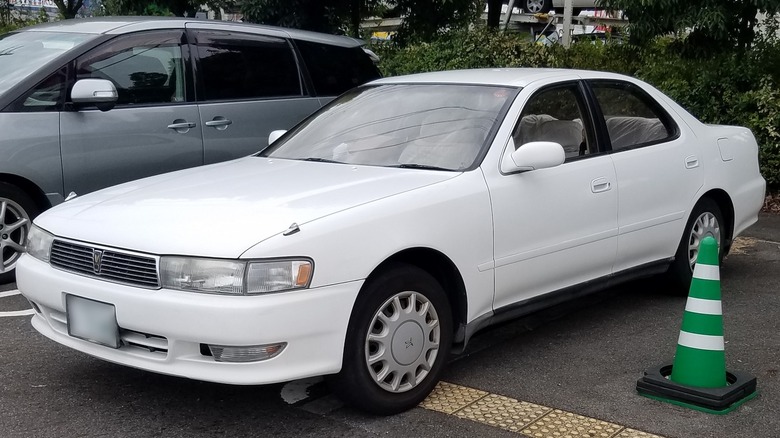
(329, 16)
(69, 8)
(424, 19)
(705, 25)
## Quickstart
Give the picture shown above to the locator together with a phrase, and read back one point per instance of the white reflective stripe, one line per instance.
(705, 307)
(701, 342)
(706, 272)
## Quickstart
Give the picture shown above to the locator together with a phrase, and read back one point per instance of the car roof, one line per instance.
(120, 25)
(513, 77)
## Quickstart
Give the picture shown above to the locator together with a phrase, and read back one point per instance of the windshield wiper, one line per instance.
(421, 166)
(322, 160)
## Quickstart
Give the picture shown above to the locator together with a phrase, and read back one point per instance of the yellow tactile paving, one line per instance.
(632, 433)
(503, 412)
(449, 398)
(562, 424)
(524, 418)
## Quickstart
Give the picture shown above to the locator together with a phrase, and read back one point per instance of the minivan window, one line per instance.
(22, 53)
(334, 69)
(146, 68)
(245, 66)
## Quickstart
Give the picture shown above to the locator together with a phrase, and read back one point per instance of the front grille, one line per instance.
(119, 267)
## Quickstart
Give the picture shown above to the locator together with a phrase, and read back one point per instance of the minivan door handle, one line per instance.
(599, 185)
(691, 162)
(220, 123)
(181, 126)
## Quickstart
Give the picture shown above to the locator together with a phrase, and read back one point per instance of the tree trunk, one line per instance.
(494, 13)
(355, 18)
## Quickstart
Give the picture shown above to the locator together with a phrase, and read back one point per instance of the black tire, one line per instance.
(537, 6)
(355, 384)
(18, 205)
(680, 272)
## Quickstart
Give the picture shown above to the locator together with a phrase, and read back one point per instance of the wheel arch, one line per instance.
(444, 271)
(727, 209)
(29, 187)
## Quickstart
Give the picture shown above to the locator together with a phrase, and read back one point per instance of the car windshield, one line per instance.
(24, 52)
(400, 125)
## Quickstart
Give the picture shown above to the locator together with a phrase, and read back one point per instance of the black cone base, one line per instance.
(655, 384)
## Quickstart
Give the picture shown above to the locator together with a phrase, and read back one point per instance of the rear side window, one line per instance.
(632, 117)
(234, 66)
(335, 69)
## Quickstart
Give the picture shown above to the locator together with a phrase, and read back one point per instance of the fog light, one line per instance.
(251, 353)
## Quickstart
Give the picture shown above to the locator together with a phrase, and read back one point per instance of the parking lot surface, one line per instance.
(569, 369)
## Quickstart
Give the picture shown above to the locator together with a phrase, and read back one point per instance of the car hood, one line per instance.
(223, 209)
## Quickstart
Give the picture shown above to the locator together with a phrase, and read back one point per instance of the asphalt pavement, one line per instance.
(583, 358)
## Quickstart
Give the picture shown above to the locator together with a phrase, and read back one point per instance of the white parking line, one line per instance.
(10, 293)
(17, 313)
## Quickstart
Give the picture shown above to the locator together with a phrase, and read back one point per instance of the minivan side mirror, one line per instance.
(274, 135)
(99, 92)
(532, 156)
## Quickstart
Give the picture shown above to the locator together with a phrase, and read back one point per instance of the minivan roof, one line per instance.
(120, 25)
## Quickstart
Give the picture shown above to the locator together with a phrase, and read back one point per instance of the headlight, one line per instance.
(233, 277)
(39, 243)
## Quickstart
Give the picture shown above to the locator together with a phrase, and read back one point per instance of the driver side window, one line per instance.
(556, 115)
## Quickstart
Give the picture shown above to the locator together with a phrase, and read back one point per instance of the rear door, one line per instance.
(153, 128)
(657, 166)
(249, 84)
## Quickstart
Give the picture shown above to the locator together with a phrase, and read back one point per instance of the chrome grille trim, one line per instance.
(116, 266)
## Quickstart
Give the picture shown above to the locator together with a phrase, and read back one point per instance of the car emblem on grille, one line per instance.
(97, 260)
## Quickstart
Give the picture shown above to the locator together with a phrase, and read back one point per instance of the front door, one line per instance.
(153, 128)
(554, 227)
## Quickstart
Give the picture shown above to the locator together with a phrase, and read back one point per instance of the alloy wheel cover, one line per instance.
(14, 227)
(402, 342)
(704, 225)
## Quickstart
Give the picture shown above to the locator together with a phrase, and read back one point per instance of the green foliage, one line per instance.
(703, 26)
(331, 16)
(732, 87)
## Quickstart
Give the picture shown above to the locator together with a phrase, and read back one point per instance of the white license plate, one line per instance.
(92, 321)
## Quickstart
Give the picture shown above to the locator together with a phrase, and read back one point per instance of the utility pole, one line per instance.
(568, 11)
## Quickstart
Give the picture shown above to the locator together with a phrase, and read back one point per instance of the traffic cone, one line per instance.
(698, 378)
(701, 357)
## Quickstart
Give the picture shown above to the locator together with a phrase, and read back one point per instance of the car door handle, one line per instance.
(181, 126)
(691, 162)
(220, 123)
(599, 185)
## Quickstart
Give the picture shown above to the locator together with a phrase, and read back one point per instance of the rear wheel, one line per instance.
(17, 211)
(398, 339)
(706, 220)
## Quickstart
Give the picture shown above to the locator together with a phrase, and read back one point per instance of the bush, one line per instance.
(739, 88)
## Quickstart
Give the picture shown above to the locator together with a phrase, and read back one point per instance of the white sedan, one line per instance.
(389, 227)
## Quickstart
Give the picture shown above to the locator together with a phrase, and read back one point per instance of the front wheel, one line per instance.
(17, 211)
(706, 220)
(398, 339)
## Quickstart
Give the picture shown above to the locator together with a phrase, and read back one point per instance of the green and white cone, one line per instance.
(701, 359)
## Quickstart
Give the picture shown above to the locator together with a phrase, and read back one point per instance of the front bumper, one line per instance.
(162, 330)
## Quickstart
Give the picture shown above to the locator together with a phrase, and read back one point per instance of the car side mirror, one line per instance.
(99, 92)
(532, 156)
(274, 135)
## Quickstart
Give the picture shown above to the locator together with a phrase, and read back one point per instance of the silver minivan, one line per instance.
(86, 104)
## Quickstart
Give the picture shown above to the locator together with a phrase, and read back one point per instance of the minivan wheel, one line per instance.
(398, 339)
(706, 220)
(16, 213)
(537, 6)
